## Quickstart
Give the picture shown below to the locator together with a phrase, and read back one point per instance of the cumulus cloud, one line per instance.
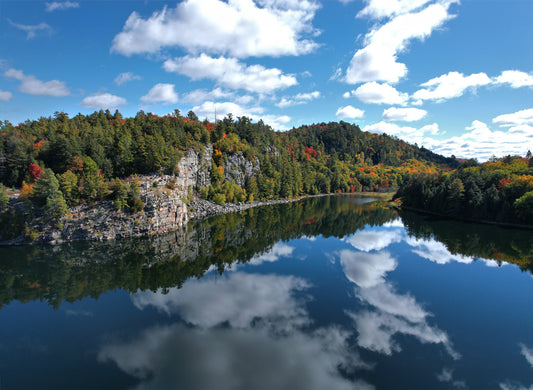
(126, 77)
(450, 85)
(523, 117)
(207, 110)
(479, 141)
(300, 98)
(377, 61)
(230, 73)
(55, 5)
(377, 9)
(202, 95)
(32, 30)
(102, 101)
(31, 85)
(349, 112)
(239, 28)
(403, 114)
(515, 79)
(5, 96)
(161, 93)
(407, 133)
(377, 93)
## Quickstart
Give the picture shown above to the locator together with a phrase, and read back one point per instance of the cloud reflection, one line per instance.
(187, 358)
(235, 298)
(242, 331)
(368, 240)
(392, 313)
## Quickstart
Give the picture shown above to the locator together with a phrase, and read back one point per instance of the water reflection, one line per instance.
(392, 313)
(229, 303)
(240, 331)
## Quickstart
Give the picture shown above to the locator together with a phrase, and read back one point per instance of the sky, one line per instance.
(453, 76)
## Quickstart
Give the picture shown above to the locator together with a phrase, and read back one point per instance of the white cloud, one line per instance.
(349, 112)
(31, 85)
(201, 95)
(102, 101)
(125, 77)
(377, 9)
(377, 61)
(407, 133)
(403, 114)
(515, 79)
(32, 30)
(5, 96)
(239, 28)
(523, 117)
(450, 85)
(481, 142)
(230, 73)
(300, 98)
(161, 93)
(55, 5)
(377, 93)
(207, 110)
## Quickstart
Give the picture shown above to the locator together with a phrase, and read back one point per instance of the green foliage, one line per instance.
(4, 198)
(120, 194)
(135, 203)
(500, 190)
(68, 183)
(30, 234)
(219, 199)
(49, 196)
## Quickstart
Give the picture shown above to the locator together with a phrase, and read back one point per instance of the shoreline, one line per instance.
(468, 220)
(102, 223)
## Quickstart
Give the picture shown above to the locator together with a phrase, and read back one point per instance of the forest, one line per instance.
(500, 190)
(59, 162)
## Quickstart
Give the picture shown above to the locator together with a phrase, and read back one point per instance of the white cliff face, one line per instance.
(240, 169)
(165, 209)
(165, 198)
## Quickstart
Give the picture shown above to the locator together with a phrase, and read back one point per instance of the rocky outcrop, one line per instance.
(165, 209)
(240, 169)
(167, 200)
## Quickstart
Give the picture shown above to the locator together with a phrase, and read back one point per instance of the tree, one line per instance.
(4, 198)
(48, 194)
(192, 116)
(68, 183)
(34, 171)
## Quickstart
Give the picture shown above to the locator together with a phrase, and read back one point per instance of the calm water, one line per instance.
(327, 293)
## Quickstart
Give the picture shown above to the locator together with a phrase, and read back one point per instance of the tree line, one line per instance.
(500, 190)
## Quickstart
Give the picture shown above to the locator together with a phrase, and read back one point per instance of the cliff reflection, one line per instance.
(73, 271)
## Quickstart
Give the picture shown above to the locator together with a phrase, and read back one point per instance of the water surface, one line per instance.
(326, 293)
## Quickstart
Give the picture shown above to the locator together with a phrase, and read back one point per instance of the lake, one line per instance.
(337, 292)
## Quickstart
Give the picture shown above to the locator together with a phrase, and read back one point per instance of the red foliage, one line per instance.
(35, 171)
(503, 182)
(310, 151)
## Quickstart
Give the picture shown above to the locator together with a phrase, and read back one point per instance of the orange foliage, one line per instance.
(26, 190)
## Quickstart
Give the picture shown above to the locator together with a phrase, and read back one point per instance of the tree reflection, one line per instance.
(73, 271)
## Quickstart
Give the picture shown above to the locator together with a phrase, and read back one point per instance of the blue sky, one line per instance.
(453, 76)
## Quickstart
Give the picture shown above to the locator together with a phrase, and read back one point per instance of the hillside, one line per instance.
(56, 163)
